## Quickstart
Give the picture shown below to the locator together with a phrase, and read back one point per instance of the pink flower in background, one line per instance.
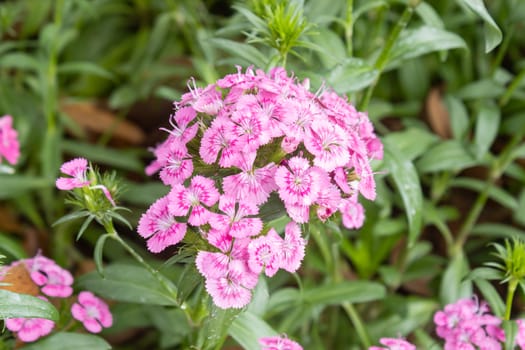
(54, 281)
(278, 343)
(394, 344)
(93, 312)
(29, 329)
(9, 144)
(160, 227)
(468, 323)
(77, 169)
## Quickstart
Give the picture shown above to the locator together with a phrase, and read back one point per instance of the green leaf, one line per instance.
(144, 193)
(84, 68)
(172, 325)
(71, 216)
(491, 295)
(247, 328)
(481, 89)
(497, 230)
(124, 282)
(449, 155)
(333, 48)
(19, 60)
(13, 185)
(412, 142)
(103, 155)
(493, 34)
(458, 116)
(68, 341)
(98, 253)
(425, 39)
(429, 15)
(352, 75)
(15, 305)
(510, 327)
(244, 51)
(282, 300)
(486, 273)
(406, 179)
(496, 193)
(347, 291)
(84, 226)
(260, 297)
(404, 315)
(453, 286)
(11, 247)
(216, 326)
(487, 126)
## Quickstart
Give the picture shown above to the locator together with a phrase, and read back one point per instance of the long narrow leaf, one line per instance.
(15, 305)
(405, 177)
(247, 328)
(493, 34)
(68, 341)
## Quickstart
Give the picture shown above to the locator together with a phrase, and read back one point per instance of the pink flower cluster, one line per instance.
(467, 324)
(394, 344)
(9, 145)
(257, 135)
(278, 343)
(54, 281)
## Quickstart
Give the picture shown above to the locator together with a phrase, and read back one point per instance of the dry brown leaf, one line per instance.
(98, 120)
(437, 114)
(18, 280)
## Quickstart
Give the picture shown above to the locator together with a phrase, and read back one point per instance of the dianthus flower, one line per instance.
(160, 227)
(393, 344)
(249, 141)
(30, 329)
(54, 281)
(278, 343)
(76, 168)
(92, 312)
(468, 323)
(9, 144)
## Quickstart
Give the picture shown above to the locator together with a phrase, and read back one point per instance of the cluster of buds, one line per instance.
(44, 278)
(252, 140)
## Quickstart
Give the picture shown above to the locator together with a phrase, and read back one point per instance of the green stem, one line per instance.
(471, 219)
(108, 225)
(513, 284)
(502, 49)
(382, 60)
(349, 27)
(358, 324)
(512, 87)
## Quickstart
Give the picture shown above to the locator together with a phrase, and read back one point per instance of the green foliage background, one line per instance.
(443, 82)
